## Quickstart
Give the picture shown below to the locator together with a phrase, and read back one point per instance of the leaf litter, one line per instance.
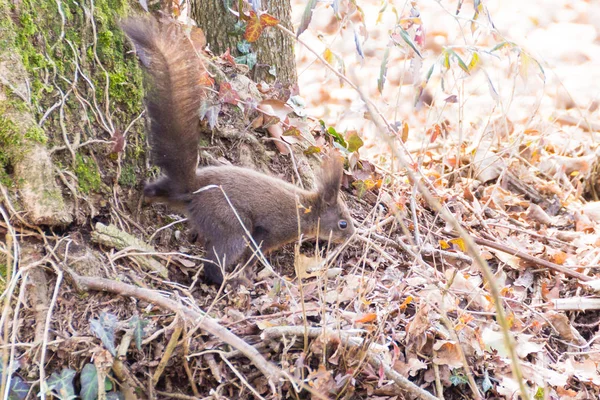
(496, 142)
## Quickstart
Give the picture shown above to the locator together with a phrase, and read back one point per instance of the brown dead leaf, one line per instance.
(566, 393)
(322, 380)
(416, 330)
(275, 107)
(537, 214)
(415, 365)
(118, 142)
(526, 345)
(486, 163)
(551, 292)
(467, 194)
(561, 323)
(353, 286)
(502, 198)
(586, 371)
(512, 261)
(434, 132)
(554, 164)
(446, 352)
(404, 132)
(197, 38)
(307, 267)
(227, 94)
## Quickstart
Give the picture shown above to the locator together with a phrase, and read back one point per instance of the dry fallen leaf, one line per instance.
(537, 214)
(446, 352)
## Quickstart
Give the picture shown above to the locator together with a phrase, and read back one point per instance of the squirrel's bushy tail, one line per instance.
(173, 99)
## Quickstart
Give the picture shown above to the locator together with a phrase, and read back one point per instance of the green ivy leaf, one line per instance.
(18, 389)
(354, 142)
(138, 324)
(89, 382)
(244, 46)
(61, 384)
(239, 28)
(247, 59)
(337, 137)
(486, 383)
(104, 329)
(457, 380)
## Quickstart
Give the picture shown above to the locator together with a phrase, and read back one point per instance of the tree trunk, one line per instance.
(273, 49)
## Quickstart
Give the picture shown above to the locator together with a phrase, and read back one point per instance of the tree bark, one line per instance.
(272, 49)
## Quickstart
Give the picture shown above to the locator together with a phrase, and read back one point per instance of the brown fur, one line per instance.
(268, 207)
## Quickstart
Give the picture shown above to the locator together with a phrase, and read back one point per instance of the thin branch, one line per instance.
(207, 323)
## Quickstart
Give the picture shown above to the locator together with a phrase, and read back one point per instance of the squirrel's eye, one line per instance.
(343, 224)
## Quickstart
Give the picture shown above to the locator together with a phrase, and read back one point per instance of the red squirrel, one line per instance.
(267, 206)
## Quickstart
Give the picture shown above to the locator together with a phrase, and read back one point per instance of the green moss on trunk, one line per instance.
(83, 82)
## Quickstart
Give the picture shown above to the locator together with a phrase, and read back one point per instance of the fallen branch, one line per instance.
(527, 257)
(205, 322)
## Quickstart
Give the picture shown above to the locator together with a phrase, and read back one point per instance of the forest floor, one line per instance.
(504, 135)
(524, 127)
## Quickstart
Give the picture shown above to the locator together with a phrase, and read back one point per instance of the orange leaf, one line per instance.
(253, 28)
(460, 243)
(451, 160)
(365, 319)
(328, 56)
(510, 318)
(505, 291)
(175, 9)
(434, 132)
(406, 302)
(560, 257)
(545, 289)
(198, 38)
(268, 20)
(466, 318)
(404, 136)
(228, 58)
(227, 94)
(206, 80)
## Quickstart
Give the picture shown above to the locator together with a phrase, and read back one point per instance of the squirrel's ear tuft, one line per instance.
(330, 177)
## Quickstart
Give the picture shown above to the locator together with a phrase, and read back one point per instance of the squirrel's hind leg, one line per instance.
(223, 252)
